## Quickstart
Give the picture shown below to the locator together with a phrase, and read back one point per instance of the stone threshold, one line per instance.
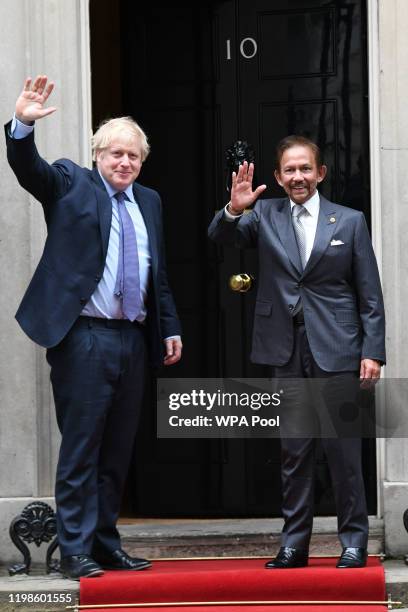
(230, 537)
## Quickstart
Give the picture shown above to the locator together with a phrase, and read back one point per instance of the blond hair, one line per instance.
(124, 128)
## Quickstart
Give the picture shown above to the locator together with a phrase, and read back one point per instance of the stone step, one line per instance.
(159, 538)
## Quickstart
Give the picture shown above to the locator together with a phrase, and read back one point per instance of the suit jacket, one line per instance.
(339, 287)
(78, 214)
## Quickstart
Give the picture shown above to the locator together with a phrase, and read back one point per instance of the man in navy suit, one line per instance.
(99, 301)
(319, 313)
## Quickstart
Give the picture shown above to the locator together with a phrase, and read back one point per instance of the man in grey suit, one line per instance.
(319, 313)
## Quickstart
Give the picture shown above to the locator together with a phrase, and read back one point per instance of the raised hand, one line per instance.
(242, 195)
(30, 103)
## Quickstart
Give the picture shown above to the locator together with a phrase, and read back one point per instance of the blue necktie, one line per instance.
(127, 280)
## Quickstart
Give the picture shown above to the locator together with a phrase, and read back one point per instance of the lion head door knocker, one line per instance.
(235, 155)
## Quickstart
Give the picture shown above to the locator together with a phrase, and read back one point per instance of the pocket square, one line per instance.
(336, 242)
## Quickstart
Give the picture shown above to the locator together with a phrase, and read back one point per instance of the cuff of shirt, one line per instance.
(19, 130)
(228, 216)
(173, 338)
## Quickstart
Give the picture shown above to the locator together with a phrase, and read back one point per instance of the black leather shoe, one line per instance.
(79, 566)
(288, 558)
(119, 560)
(353, 557)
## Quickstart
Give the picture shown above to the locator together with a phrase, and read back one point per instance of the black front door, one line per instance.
(198, 77)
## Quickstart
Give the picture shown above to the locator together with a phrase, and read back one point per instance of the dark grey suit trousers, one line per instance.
(298, 463)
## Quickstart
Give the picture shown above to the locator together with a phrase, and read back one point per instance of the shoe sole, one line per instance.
(126, 569)
(93, 574)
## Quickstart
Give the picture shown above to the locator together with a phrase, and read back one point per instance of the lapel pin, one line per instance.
(332, 219)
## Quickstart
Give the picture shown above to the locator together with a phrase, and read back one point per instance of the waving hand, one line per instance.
(30, 103)
(242, 194)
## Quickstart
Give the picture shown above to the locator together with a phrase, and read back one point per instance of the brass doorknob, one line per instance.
(241, 282)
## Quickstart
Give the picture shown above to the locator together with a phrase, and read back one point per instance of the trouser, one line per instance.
(298, 463)
(97, 376)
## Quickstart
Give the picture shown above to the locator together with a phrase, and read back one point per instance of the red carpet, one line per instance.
(239, 580)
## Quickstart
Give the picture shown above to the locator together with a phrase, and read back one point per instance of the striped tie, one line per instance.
(297, 211)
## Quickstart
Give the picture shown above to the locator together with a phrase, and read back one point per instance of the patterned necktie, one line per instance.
(297, 211)
(127, 280)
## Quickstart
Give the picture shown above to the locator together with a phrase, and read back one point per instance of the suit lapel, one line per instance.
(104, 210)
(147, 212)
(327, 222)
(284, 226)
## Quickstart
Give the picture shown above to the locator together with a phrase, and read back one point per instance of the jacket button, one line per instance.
(299, 285)
(97, 279)
(291, 306)
(83, 300)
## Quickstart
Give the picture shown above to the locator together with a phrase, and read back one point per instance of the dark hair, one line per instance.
(293, 141)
